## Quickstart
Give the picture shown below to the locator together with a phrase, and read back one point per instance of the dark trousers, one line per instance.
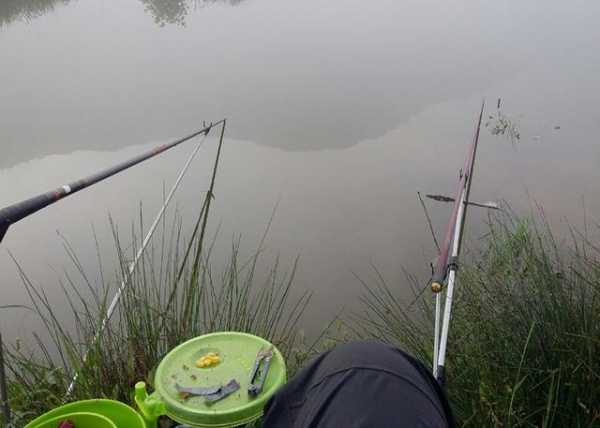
(360, 384)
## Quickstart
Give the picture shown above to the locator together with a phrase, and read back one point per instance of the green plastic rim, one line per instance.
(237, 352)
(119, 414)
(79, 419)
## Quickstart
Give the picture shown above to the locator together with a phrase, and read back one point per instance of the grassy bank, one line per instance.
(170, 299)
(525, 337)
(522, 352)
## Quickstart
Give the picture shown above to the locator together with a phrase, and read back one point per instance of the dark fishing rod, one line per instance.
(447, 262)
(20, 210)
(13, 213)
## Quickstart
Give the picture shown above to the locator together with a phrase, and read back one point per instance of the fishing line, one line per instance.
(138, 256)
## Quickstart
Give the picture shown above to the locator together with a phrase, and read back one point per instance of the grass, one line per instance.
(523, 344)
(149, 323)
(523, 348)
(525, 336)
(173, 295)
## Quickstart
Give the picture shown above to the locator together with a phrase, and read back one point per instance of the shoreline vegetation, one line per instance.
(523, 346)
(525, 335)
(523, 349)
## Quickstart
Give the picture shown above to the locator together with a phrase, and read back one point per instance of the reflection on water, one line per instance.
(175, 11)
(168, 12)
(163, 11)
(395, 84)
(26, 10)
(291, 75)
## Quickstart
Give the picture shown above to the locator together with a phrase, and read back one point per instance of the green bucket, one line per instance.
(84, 420)
(98, 412)
(238, 353)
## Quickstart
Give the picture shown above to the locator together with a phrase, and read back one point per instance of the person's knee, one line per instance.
(361, 380)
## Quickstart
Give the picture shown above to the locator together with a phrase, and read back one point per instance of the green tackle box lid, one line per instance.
(237, 353)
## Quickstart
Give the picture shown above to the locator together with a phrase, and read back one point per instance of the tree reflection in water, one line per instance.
(26, 10)
(175, 11)
(163, 11)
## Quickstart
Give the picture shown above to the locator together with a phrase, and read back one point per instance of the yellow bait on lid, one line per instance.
(208, 360)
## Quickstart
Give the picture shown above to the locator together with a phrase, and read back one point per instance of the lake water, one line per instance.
(338, 111)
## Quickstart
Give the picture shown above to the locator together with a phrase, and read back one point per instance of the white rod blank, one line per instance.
(115, 301)
(450, 288)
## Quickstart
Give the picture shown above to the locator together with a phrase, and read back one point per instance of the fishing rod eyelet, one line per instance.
(453, 264)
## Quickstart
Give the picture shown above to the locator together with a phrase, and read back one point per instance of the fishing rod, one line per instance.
(16, 212)
(447, 262)
(133, 264)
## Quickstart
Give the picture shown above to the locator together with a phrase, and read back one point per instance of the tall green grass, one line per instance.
(173, 294)
(152, 319)
(524, 340)
(524, 347)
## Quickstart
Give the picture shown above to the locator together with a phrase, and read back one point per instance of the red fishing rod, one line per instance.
(20, 210)
(447, 262)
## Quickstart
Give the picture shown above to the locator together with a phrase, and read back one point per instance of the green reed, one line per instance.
(525, 336)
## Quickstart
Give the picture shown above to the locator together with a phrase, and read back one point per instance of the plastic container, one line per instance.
(117, 414)
(238, 353)
(84, 420)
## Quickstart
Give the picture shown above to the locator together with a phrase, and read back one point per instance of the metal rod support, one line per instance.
(125, 282)
(441, 362)
(436, 333)
(447, 263)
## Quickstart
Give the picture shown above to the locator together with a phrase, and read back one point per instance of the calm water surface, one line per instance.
(340, 110)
